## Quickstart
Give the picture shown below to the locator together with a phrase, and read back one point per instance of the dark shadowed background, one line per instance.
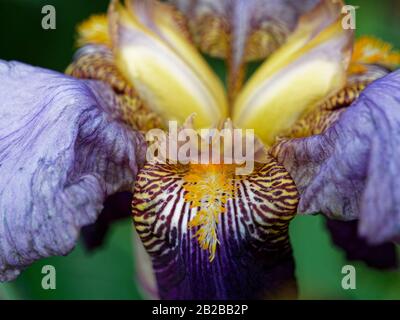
(109, 272)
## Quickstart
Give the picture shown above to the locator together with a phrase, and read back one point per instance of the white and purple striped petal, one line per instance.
(252, 256)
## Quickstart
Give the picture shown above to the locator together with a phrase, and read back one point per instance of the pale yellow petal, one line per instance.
(163, 66)
(297, 77)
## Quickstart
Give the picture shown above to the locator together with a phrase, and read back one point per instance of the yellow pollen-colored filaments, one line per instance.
(208, 188)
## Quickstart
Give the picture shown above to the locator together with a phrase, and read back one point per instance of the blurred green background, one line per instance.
(109, 272)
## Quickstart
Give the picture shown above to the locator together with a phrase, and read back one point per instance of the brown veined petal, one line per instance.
(155, 55)
(63, 150)
(242, 30)
(97, 62)
(310, 67)
(213, 235)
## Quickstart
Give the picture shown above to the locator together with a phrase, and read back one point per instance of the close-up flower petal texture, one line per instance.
(322, 106)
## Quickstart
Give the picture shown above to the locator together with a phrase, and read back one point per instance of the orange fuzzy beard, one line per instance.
(208, 187)
(369, 50)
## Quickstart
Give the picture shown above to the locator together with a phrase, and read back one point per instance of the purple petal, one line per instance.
(62, 152)
(243, 30)
(351, 170)
(344, 234)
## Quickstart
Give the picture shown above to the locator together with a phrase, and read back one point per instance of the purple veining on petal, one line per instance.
(62, 152)
(241, 270)
(116, 207)
(253, 257)
(351, 170)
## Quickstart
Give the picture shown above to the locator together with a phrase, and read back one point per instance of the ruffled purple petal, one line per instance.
(344, 234)
(351, 170)
(62, 152)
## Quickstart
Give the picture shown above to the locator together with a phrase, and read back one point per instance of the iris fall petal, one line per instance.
(213, 235)
(62, 152)
(310, 67)
(155, 54)
(350, 171)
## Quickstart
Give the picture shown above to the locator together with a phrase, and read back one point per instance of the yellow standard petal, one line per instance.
(310, 67)
(153, 51)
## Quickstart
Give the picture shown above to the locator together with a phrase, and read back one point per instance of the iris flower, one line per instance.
(325, 111)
